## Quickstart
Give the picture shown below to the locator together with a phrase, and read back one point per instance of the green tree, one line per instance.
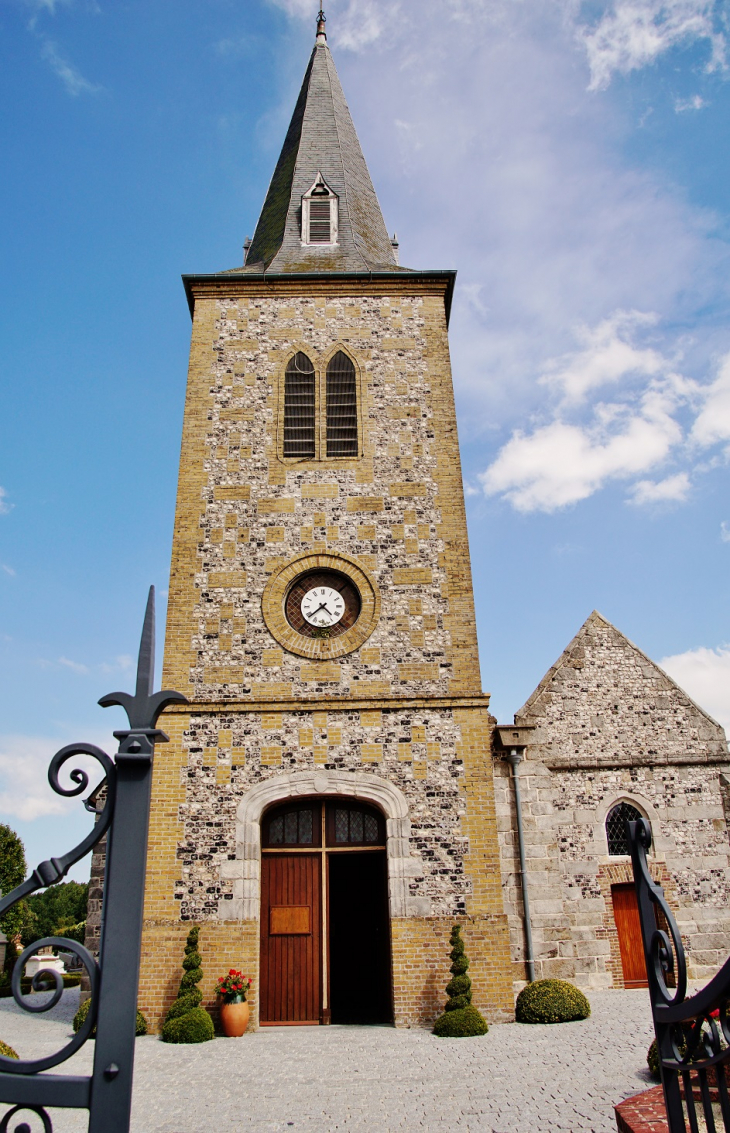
(12, 872)
(59, 910)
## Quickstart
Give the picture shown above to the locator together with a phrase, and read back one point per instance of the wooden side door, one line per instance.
(626, 915)
(291, 938)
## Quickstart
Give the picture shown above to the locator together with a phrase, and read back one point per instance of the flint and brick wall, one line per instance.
(405, 705)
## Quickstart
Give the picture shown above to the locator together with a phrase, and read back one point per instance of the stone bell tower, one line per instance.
(321, 622)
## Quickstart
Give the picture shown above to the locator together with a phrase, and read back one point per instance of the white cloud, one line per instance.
(560, 464)
(633, 34)
(8, 569)
(608, 355)
(72, 78)
(673, 488)
(5, 507)
(565, 461)
(24, 789)
(725, 532)
(696, 102)
(705, 675)
(713, 422)
(75, 666)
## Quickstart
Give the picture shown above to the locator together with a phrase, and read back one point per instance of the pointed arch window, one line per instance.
(320, 214)
(341, 399)
(616, 818)
(299, 408)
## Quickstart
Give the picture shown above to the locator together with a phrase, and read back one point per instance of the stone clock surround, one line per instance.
(320, 649)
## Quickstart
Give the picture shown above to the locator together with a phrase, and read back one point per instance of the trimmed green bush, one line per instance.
(459, 1019)
(80, 1018)
(195, 1026)
(8, 1050)
(185, 1003)
(652, 1061)
(461, 1023)
(551, 1001)
(187, 1021)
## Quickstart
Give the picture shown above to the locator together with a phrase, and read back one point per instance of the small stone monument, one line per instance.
(44, 961)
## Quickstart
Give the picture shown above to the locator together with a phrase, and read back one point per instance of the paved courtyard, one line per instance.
(527, 1078)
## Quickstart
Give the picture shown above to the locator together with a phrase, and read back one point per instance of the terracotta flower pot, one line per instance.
(234, 1018)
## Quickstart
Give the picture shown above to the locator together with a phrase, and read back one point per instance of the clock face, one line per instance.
(322, 603)
(323, 606)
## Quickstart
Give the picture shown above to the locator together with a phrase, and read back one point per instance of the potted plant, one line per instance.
(232, 991)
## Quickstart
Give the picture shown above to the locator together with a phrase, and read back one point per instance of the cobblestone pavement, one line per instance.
(529, 1078)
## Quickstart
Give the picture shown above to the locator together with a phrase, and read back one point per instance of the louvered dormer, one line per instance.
(320, 215)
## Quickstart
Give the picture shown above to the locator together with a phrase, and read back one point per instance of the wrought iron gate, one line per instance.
(124, 817)
(693, 1035)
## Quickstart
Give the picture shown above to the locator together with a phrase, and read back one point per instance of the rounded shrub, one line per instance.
(459, 1018)
(195, 1026)
(652, 1061)
(460, 1023)
(80, 1018)
(652, 1058)
(7, 1051)
(551, 1001)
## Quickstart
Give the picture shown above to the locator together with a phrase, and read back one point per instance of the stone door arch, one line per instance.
(245, 871)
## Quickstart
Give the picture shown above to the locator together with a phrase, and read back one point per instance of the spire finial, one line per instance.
(321, 21)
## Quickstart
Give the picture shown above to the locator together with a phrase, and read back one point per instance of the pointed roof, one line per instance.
(605, 703)
(321, 139)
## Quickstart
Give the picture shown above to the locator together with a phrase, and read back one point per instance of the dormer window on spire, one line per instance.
(319, 214)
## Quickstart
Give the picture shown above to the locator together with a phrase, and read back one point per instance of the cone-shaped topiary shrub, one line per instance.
(459, 1019)
(186, 1021)
(551, 1001)
(80, 1018)
(8, 1050)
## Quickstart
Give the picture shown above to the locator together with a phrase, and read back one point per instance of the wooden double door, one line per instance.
(325, 934)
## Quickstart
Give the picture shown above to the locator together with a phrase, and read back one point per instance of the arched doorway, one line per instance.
(325, 939)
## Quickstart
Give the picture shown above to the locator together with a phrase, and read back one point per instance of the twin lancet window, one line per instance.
(310, 426)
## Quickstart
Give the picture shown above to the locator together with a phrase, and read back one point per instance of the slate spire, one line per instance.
(321, 142)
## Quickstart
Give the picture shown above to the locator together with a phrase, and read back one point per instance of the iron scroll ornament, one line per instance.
(664, 952)
(124, 818)
(693, 1035)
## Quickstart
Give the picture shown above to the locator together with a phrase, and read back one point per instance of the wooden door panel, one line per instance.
(291, 952)
(628, 925)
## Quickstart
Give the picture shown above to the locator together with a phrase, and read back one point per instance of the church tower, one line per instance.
(325, 809)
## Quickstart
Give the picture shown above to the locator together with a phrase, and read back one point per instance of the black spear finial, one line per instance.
(145, 706)
(321, 21)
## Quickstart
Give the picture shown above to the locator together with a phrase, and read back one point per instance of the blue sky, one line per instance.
(570, 160)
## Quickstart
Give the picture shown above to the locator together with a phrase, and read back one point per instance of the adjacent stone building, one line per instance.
(606, 726)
